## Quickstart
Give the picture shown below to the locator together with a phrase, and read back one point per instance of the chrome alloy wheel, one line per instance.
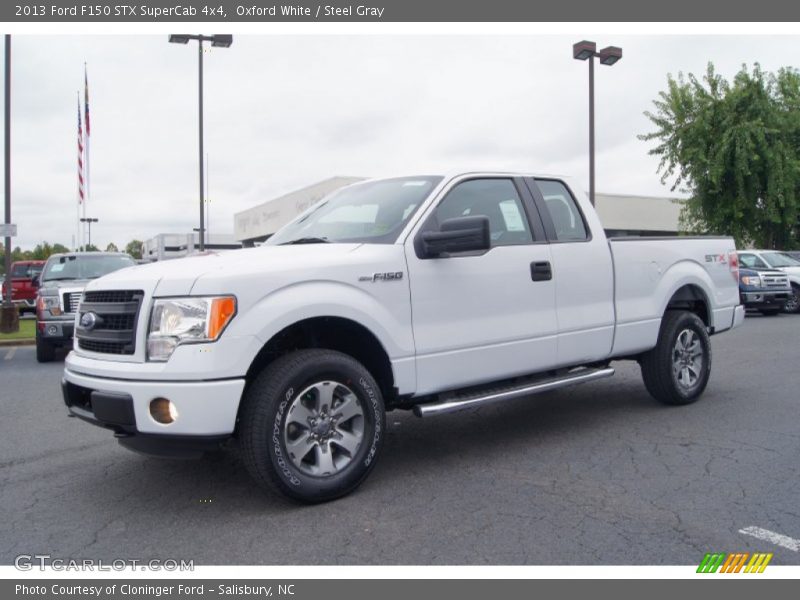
(324, 428)
(687, 358)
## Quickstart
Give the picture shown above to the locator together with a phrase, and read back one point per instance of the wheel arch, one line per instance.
(691, 297)
(333, 333)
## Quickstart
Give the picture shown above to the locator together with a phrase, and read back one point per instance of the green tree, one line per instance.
(59, 248)
(734, 148)
(42, 251)
(134, 248)
(112, 247)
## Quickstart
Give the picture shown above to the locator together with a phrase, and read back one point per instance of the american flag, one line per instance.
(80, 155)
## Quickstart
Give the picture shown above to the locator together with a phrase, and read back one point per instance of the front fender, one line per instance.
(384, 309)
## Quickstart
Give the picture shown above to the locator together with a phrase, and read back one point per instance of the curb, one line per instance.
(22, 342)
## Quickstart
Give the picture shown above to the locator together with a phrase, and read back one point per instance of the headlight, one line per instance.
(751, 280)
(50, 303)
(176, 321)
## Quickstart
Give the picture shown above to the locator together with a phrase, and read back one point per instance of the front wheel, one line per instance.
(312, 425)
(792, 305)
(676, 371)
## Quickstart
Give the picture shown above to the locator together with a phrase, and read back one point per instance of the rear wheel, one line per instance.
(676, 371)
(45, 351)
(312, 425)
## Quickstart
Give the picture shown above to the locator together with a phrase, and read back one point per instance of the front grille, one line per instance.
(71, 301)
(103, 347)
(112, 296)
(775, 281)
(112, 328)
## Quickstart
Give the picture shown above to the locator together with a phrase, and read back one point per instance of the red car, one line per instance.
(23, 287)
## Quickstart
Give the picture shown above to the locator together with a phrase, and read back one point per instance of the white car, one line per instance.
(434, 293)
(774, 259)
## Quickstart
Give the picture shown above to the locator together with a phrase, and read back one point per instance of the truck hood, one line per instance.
(181, 276)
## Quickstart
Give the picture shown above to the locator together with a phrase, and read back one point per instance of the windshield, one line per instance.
(779, 259)
(84, 266)
(373, 212)
(25, 270)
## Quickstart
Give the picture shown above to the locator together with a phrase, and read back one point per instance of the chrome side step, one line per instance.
(455, 401)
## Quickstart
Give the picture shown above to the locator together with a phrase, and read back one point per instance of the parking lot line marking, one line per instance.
(774, 538)
(10, 354)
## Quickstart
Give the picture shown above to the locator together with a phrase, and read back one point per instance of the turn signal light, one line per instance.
(222, 311)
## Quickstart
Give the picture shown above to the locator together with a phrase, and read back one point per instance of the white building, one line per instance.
(258, 223)
(621, 215)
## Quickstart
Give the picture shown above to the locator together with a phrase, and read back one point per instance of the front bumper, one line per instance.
(206, 411)
(760, 299)
(56, 331)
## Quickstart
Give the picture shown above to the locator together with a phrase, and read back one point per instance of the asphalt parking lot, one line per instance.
(600, 474)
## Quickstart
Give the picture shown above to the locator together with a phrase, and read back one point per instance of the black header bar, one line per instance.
(332, 11)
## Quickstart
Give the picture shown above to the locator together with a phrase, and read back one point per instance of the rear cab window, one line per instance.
(568, 224)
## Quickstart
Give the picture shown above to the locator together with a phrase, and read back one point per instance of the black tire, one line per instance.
(45, 351)
(265, 411)
(658, 369)
(769, 312)
(793, 305)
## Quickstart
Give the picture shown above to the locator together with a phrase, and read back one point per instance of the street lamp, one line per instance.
(89, 221)
(586, 50)
(218, 41)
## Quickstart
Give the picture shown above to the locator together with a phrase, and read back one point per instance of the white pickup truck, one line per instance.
(432, 293)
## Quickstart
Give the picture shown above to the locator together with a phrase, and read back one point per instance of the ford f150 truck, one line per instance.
(777, 261)
(432, 293)
(61, 286)
(765, 290)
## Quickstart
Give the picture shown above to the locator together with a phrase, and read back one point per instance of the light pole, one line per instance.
(89, 221)
(9, 317)
(218, 41)
(586, 50)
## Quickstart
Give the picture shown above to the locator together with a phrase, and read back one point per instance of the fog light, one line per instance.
(52, 330)
(163, 411)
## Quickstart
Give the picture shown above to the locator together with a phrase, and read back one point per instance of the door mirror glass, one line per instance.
(460, 234)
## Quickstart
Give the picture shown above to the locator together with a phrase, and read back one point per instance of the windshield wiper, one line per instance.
(60, 278)
(307, 240)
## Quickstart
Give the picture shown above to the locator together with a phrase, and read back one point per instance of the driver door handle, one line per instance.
(541, 271)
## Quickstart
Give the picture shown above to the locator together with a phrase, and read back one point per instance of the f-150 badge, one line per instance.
(392, 276)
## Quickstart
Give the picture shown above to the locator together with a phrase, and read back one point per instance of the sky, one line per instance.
(282, 112)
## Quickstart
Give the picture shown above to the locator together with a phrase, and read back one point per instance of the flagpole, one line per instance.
(78, 228)
(86, 138)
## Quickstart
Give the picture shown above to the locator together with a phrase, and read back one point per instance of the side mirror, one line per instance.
(35, 281)
(462, 234)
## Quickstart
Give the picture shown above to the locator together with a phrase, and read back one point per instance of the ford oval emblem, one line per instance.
(88, 320)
